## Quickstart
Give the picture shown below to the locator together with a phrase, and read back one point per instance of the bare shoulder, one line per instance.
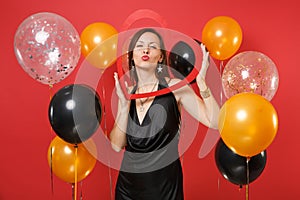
(172, 81)
(180, 92)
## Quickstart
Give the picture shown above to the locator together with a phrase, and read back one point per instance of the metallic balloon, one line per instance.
(71, 163)
(248, 123)
(99, 44)
(182, 59)
(75, 113)
(235, 168)
(222, 35)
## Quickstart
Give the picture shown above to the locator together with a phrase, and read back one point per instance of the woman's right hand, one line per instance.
(122, 98)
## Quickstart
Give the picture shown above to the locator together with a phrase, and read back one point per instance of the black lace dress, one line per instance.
(151, 169)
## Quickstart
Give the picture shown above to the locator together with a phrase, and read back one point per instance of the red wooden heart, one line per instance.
(192, 75)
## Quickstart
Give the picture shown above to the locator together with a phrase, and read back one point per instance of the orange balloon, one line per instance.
(222, 36)
(248, 123)
(99, 44)
(62, 158)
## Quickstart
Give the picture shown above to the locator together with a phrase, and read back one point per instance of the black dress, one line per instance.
(151, 169)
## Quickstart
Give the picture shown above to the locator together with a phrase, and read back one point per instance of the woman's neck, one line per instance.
(146, 79)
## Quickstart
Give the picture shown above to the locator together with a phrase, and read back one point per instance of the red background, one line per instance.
(270, 28)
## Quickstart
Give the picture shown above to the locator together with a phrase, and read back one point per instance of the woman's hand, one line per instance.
(118, 133)
(205, 64)
(120, 93)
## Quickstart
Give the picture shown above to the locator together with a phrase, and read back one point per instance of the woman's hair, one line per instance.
(135, 38)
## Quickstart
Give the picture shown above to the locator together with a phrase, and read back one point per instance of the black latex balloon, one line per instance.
(234, 167)
(75, 113)
(181, 59)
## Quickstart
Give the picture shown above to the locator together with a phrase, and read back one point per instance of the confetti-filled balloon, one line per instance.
(47, 46)
(250, 71)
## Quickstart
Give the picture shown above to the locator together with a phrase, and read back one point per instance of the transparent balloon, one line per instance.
(47, 47)
(250, 71)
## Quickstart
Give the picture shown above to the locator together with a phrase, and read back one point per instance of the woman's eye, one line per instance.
(153, 47)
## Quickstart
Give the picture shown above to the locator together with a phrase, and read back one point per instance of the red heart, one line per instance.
(192, 75)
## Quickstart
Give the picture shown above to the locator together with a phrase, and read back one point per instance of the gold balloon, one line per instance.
(248, 123)
(222, 35)
(64, 162)
(99, 44)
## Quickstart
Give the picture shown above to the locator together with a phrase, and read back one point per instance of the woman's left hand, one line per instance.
(205, 64)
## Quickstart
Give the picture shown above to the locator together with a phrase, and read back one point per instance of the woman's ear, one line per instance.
(161, 58)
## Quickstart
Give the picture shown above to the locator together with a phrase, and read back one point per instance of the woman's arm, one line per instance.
(118, 133)
(205, 110)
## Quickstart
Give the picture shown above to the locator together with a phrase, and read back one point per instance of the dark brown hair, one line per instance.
(135, 38)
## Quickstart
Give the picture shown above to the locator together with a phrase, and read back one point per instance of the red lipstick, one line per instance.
(145, 58)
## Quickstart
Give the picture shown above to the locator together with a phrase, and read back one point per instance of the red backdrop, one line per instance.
(270, 28)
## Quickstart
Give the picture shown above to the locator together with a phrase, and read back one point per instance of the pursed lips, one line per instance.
(145, 58)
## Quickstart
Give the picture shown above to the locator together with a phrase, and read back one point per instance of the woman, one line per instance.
(148, 128)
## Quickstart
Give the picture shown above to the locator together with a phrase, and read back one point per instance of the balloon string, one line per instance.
(75, 183)
(51, 150)
(51, 170)
(106, 134)
(73, 193)
(50, 97)
(81, 196)
(50, 91)
(221, 71)
(248, 180)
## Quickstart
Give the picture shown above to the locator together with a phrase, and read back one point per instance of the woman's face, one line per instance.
(147, 52)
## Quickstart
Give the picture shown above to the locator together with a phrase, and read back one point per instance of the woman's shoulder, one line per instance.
(172, 81)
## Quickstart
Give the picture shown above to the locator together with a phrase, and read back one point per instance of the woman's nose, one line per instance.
(146, 50)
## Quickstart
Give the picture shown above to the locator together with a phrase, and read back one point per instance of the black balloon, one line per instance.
(234, 167)
(75, 113)
(181, 59)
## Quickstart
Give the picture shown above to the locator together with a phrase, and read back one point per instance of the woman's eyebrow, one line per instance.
(153, 43)
(140, 41)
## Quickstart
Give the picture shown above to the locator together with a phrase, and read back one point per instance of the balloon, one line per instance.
(75, 113)
(99, 44)
(234, 167)
(62, 158)
(250, 71)
(222, 36)
(47, 47)
(181, 59)
(248, 123)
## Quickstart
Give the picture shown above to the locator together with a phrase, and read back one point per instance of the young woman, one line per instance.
(148, 128)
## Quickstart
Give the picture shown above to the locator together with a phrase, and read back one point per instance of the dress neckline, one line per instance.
(142, 120)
